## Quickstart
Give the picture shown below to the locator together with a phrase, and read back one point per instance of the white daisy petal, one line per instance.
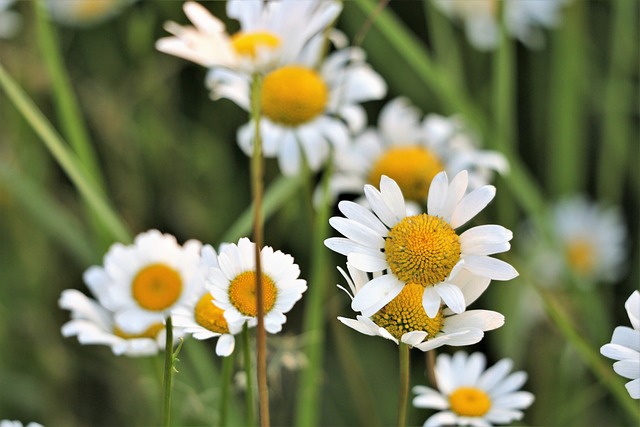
(376, 294)
(472, 204)
(628, 368)
(452, 296)
(438, 195)
(431, 301)
(368, 263)
(490, 268)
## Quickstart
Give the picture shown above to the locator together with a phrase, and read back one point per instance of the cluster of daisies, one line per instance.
(206, 293)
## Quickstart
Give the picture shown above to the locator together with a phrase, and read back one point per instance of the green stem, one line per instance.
(431, 369)
(257, 179)
(403, 393)
(308, 406)
(444, 43)
(168, 373)
(69, 162)
(589, 356)
(246, 349)
(225, 386)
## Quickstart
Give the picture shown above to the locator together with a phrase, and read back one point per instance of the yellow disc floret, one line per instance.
(581, 256)
(412, 167)
(156, 287)
(151, 332)
(293, 95)
(209, 316)
(242, 293)
(405, 314)
(469, 402)
(422, 249)
(248, 44)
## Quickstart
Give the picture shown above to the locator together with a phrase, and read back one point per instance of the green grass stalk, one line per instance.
(168, 373)
(225, 387)
(257, 187)
(403, 392)
(308, 405)
(68, 161)
(443, 41)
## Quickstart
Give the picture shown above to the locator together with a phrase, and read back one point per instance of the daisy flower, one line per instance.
(523, 19)
(10, 21)
(404, 319)
(84, 12)
(625, 347)
(95, 325)
(13, 423)
(305, 109)
(469, 395)
(233, 285)
(142, 283)
(201, 318)
(412, 153)
(271, 33)
(422, 249)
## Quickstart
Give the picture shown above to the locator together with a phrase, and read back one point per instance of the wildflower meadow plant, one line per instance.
(263, 142)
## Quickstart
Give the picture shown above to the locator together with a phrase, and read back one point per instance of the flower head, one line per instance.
(625, 347)
(271, 33)
(422, 249)
(84, 12)
(202, 318)
(305, 109)
(142, 283)
(233, 285)
(404, 319)
(14, 423)
(523, 19)
(470, 395)
(412, 153)
(10, 21)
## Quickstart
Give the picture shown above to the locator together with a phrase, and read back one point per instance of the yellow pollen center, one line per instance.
(243, 296)
(293, 95)
(151, 332)
(209, 316)
(405, 314)
(247, 44)
(581, 256)
(412, 167)
(422, 249)
(156, 287)
(469, 402)
(89, 9)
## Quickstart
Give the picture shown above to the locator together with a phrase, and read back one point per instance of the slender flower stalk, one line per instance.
(168, 373)
(431, 368)
(225, 386)
(257, 179)
(403, 394)
(246, 350)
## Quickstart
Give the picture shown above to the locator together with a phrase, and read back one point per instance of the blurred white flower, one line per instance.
(13, 423)
(469, 395)
(625, 347)
(10, 21)
(84, 12)
(523, 19)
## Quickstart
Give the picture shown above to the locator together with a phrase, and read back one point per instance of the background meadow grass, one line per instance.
(566, 116)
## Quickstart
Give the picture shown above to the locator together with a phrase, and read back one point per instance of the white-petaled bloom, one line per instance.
(233, 285)
(412, 153)
(469, 395)
(272, 33)
(10, 20)
(95, 325)
(305, 109)
(420, 249)
(201, 318)
(404, 319)
(142, 283)
(591, 238)
(625, 347)
(14, 423)
(84, 12)
(523, 19)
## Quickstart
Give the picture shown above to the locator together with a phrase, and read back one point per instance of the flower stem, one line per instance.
(257, 180)
(168, 373)
(246, 348)
(431, 369)
(403, 393)
(225, 386)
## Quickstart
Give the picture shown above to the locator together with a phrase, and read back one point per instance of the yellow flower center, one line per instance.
(89, 9)
(209, 316)
(405, 314)
(151, 332)
(293, 95)
(156, 287)
(247, 44)
(581, 256)
(469, 402)
(412, 167)
(422, 249)
(242, 293)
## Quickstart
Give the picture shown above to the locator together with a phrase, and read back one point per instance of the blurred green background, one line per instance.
(170, 161)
